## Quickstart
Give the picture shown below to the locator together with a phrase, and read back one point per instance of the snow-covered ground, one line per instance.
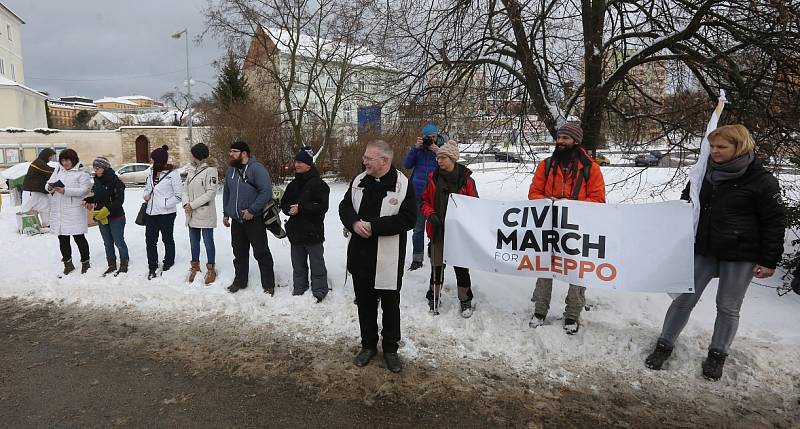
(618, 331)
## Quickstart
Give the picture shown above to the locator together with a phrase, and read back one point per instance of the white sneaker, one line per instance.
(535, 321)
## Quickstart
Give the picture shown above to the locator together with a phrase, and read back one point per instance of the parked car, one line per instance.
(491, 150)
(507, 157)
(602, 160)
(133, 174)
(648, 159)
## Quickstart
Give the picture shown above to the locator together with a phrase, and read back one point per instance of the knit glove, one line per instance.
(101, 215)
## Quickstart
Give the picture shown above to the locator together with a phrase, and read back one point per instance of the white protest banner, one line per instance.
(632, 247)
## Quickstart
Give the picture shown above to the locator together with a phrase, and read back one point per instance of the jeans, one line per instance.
(208, 240)
(302, 254)
(253, 234)
(114, 235)
(734, 278)
(418, 236)
(66, 249)
(163, 224)
(576, 298)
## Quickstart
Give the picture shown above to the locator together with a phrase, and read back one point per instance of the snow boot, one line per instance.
(166, 266)
(193, 270)
(68, 267)
(656, 359)
(466, 309)
(571, 326)
(123, 268)
(151, 274)
(415, 265)
(712, 365)
(84, 266)
(211, 274)
(364, 356)
(537, 320)
(112, 266)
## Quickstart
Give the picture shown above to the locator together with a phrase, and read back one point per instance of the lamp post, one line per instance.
(178, 35)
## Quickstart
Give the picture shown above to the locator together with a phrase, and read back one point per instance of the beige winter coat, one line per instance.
(200, 192)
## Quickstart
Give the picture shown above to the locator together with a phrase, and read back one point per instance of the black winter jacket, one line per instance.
(362, 252)
(114, 191)
(741, 219)
(37, 175)
(310, 193)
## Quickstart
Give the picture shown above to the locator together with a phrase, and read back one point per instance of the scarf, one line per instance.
(99, 188)
(717, 173)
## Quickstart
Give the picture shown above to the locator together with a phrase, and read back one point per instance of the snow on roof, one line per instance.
(118, 100)
(307, 46)
(136, 97)
(12, 13)
(135, 119)
(8, 82)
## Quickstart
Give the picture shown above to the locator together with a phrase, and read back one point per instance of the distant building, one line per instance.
(129, 104)
(20, 106)
(64, 111)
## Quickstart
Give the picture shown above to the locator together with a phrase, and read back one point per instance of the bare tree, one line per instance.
(178, 100)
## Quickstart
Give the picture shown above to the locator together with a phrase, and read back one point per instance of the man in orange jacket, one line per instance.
(570, 173)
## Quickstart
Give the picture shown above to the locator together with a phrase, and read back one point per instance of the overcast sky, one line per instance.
(99, 48)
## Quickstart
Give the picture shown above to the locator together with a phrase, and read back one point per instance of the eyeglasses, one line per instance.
(234, 151)
(368, 159)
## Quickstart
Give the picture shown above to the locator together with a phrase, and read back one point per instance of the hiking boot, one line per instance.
(466, 309)
(712, 365)
(537, 320)
(415, 265)
(193, 270)
(269, 291)
(571, 326)
(112, 266)
(123, 268)
(84, 266)
(656, 359)
(68, 267)
(211, 274)
(364, 356)
(392, 361)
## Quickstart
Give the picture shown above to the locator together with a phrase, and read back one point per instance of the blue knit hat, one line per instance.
(305, 155)
(430, 129)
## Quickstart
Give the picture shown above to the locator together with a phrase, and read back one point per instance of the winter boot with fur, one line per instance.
(193, 270)
(211, 274)
(68, 267)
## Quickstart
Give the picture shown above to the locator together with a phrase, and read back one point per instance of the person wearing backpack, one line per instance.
(248, 189)
(570, 173)
(306, 202)
(162, 192)
(199, 194)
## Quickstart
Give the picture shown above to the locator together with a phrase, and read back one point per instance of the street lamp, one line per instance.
(178, 35)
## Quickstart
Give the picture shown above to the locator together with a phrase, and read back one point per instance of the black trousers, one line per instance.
(367, 298)
(253, 234)
(463, 281)
(66, 249)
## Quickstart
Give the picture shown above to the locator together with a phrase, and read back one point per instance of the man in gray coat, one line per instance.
(247, 191)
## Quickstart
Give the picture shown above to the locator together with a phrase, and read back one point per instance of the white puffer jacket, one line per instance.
(199, 192)
(165, 195)
(68, 216)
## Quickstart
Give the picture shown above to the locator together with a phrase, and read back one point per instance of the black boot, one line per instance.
(656, 359)
(364, 356)
(84, 266)
(393, 362)
(112, 266)
(166, 266)
(466, 309)
(712, 366)
(151, 274)
(415, 265)
(123, 268)
(68, 267)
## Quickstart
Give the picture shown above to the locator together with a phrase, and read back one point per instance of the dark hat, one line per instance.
(305, 155)
(46, 153)
(242, 146)
(102, 162)
(571, 130)
(160, 155)
(200, 151)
